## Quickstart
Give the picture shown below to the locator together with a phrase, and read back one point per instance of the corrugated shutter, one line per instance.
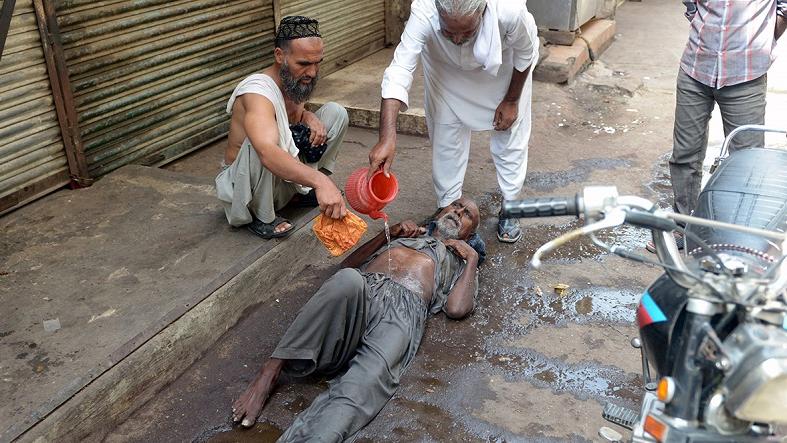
(350, 29)
(32, 157)
(151, 78)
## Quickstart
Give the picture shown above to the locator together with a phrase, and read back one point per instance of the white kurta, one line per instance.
(464, 86)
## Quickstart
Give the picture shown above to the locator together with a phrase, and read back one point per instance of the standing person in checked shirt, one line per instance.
(725, 62)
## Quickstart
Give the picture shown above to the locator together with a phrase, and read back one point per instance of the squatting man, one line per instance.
(365, 323)
(263, 169)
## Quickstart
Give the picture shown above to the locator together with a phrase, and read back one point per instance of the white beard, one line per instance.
(448, 227)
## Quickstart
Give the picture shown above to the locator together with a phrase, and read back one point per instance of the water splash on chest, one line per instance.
(388, 239)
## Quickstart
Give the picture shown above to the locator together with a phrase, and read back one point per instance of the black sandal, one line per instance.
(508, 227)
(268, 230)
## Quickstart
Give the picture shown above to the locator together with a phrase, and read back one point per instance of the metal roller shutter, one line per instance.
(32, 155)
(151, 78)
(350, 29)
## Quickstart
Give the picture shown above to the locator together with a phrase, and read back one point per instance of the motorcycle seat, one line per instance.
(749, 188)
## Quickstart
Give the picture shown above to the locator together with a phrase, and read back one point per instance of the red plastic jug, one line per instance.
(369, 196)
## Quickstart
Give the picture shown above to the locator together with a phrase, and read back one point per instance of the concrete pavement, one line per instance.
(529, 364)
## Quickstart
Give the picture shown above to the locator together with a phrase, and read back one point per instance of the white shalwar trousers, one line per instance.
(451, 148)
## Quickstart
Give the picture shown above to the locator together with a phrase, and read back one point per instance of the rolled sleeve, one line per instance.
(398, 77)
(392, 89)
(522, 37)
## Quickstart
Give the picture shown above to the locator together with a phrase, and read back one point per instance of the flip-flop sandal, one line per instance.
(308, 200)
(268, 230)
(508, 230)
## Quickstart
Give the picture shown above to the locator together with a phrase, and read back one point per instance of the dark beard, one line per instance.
(293, 89)
(448, 229)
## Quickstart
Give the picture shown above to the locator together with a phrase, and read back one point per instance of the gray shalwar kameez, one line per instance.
(369, 324)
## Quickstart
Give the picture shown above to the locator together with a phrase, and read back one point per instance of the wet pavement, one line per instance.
(528, 364)
(532, 363)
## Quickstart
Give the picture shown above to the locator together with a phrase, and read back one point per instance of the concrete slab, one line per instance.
(565, 38)
(89, 277)
(158, 277)
(357, 87)
(599, 35)
(563, 63)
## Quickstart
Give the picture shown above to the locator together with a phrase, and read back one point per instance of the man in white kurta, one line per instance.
(477, 57)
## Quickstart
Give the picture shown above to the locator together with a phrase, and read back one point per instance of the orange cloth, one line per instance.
(339, 235)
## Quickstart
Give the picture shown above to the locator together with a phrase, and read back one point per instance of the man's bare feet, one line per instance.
(250, 403)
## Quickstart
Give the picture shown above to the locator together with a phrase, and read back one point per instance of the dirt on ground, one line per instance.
(530, 364)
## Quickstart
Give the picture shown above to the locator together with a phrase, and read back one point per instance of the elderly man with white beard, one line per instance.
(477, 58)
(263, 168)
(366, 322)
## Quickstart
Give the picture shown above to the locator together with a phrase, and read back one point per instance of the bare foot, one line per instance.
(283, 226)
(250, 403)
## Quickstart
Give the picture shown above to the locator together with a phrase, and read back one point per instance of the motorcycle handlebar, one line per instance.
(649, 221)
(542, 207)
(604, 208)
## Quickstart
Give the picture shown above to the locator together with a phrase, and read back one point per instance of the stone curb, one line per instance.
(564, 62)
(410, 123)
(113, 396)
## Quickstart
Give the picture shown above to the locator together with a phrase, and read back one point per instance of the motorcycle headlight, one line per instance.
(757, 385)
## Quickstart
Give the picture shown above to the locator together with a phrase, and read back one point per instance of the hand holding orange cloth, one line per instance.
(339, 235)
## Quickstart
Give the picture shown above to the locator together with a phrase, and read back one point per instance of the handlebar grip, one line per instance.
(649, 221)
(541, 207)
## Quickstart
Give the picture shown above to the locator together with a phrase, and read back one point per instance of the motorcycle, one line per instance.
(713, 327)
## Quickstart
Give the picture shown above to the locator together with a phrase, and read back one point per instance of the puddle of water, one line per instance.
(548, 181)
(299, 403)
(586, 305)
(462, 354)
(661, 185)
(260, 433)
(584, 380)
(466, 390)
(629, 237)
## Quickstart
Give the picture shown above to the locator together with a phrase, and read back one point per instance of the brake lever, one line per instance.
(616, 217)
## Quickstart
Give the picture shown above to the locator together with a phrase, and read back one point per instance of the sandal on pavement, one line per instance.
(268, 230)
(508, 230)
(679, 240)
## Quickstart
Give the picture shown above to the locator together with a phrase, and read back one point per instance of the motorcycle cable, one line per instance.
(775, 267)
(719, 262)
(649, 220)
(625, 253)
(706, 249)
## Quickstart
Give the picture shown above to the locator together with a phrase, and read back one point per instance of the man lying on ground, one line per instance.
(366, 323)
(264, 166)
